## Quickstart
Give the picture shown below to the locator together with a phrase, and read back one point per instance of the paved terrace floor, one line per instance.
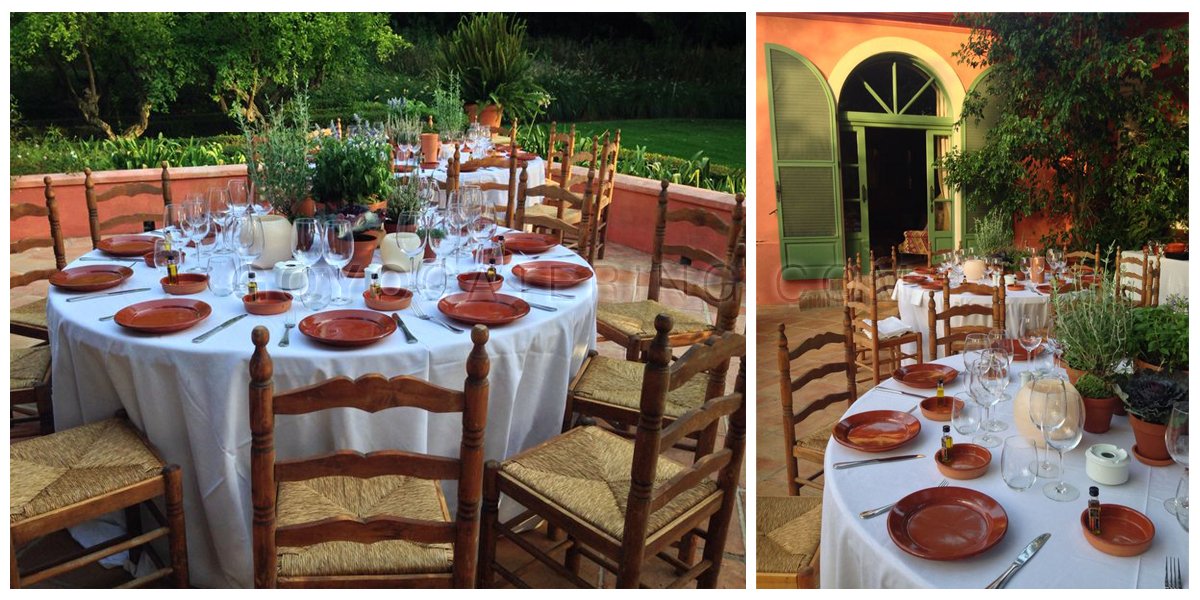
(622, 276)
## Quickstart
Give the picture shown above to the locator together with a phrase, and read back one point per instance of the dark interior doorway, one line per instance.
(896, 185)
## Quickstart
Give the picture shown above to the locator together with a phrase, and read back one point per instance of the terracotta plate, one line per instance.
(475, 280)
(127, 245)
(552, 273)
(1016, 287)
(185, 284)
(468, 168)
(90, 278)
(1045, 288)
(930, 285)
(483, 308)
(967, 461)
(163, 316)
(925, 376)
(1018, 351)
(876, 430)
(947, 523)
(430, 165)
(924, 270)
(347, 327)
(528, 243)
(1123, 531)
(939, 409)
(914, 278)
(523, 155)
(391, 299)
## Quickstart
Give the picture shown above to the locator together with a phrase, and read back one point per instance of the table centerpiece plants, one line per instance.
(449, 120)
(352, 179)
(402, 126)
(277, 156)
(1093, 327)
(403, 200)
(1160, 336)
(1099, 402)
(1148, 398)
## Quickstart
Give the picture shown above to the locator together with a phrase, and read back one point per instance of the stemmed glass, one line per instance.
(174, 216)
(246, 234)
(339, 250)
(219, 208)
(973, 347)
(306, 241)
(1177, 446)
(1026, 268)
(981, 392)
(260, 202)
(1047, 411)
(1030, 336)
(1064, 437)
(483, 229)
(166, 253)
(195, 228)
(410, 251)
(436, 234)
(457, 215)
(239, 197)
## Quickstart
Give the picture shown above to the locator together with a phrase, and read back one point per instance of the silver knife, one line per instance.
(872, 461)
(1022, 558)
(542, 306)
(106, 259)
(210, 332)
(103, 294)
(888, 389)
(412, 339)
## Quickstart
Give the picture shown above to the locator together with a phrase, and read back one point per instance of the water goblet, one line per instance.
(1177, 445)
(973, 347)
(339, 250)
(1064, 437)
(196, 225)
(174, 217)
(318, 292)
(248, 238)
(307, 246)
(1016, 463)
(218, 207)
(239, 197)
(1047, 411)
(982, 393)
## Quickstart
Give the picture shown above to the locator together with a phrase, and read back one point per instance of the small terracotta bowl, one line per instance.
(189, 283)
(470, 282)
(938, 409)
(507, 255)
(149, 257)
(1016, 287)
(1123, 531)
(268, 302)
(967, 461)
(390, 299)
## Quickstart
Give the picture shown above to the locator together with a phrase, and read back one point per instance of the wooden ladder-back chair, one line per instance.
(811, 446)
(1140, 287)
(571, 481)
(29, 320)
(788, 541)
(302, 535)
(1080, 259)
(952, 335)
(631, 324)
(609, 153)
(572, 235)
(560, 150)
(77, 475)
(453, 172)
(864, 310)
(509, 187)
(551, 206)
(125, 190)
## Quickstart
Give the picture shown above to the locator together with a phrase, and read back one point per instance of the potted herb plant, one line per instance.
(1094, 328)
(402, 126)
(487, 53)
(404, 198)
(352, 177)
(446, 109)
(277, 154)
(1160, 336)
(1148, 398)
(1099, 403)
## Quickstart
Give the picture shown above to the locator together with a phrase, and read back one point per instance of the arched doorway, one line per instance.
(894, 127)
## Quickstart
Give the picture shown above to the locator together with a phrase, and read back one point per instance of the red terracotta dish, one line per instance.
(347, 328)
(90, 278)
(127, 245)
(939, 409)
(163, 316)
(876, 430)
(925, 376)
(914, 278)
(931, 285)
(483, 308)
(470, 282)
(149, 256)
(269, 302)
(1016, 287)
(185, 284)
(389, 299)
(552, 273)
(947, 523)
(967, 461)
(528, 243)
(523, 155)
(1123, 531)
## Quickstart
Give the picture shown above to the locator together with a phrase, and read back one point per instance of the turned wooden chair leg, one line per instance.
(489, 525)
(177, 536)
(572, 561)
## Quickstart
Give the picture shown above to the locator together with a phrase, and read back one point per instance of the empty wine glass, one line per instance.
(239, 197)
(981, 392)
(249, 240)
(1181, 494)
(306, 241)
(219, 209)
(222, 274)
(1047, 411)
(195, 228)
(260, 202)
(174, 216)
(1016, 463)
(973, 347)
(1064, 437)
(317, 293)
(1177, 446)
(1030, 336)
(1026, 267)
(339, 250)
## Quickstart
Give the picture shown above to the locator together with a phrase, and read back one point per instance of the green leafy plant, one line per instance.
(993, 233)
(404, 195)
(1094, 327)
(447, 108)
(277, 153)
(352, 169)
(1090, 386)
(487, 53)
(402, 125)
(1160, 335)
(1150, 396)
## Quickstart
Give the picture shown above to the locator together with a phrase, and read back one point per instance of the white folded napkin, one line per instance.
(889, 328)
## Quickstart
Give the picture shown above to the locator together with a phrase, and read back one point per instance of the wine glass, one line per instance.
(246, 234)
(413, 217)
(195, 228)
(973, 347)
(239, 197)
(1064, 437)
(339, 250)
(218, 207)
(1026, 267)
(168, 252)
(260, 202)
(174, 216)
(1181, 494)
(981, 392)
(483, 229)
(1177, 446)
(1047, 411)
(318, 292)
(1030, 336)
(1016, 463)
(306, 241)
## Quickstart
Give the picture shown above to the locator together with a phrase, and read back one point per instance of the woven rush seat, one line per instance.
(788, 532)
(570, 215)
(32, 314)
(819, 438)
(332, 497)
(28, 366)
(619, 382)
(61, 469)
(586, 472)
(636, 319)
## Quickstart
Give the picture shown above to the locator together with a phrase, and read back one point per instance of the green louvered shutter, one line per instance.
(974, 137)
(804, 142)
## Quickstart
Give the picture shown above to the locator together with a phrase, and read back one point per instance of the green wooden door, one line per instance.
(807, 183)
(941, 199)
(853, 152)
(974, 137)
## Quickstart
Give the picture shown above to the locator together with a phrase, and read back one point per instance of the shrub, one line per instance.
(1090, 386)
(1160, 335)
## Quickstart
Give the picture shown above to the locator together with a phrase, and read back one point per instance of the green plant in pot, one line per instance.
(1148, 398)
(993, 234)
(404, 199)
(1099, 402)
(449, 120)
(277, 156)
(487, 53)
(1094, 328)
(1160, 336)
(352, 178)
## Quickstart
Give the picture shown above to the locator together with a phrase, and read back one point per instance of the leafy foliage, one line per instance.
(488, 54)
(993, 233)
(447, 108)
(277, 159)
(1150, 396)
(1160, 335)
(354, 168)
(1090, 386)
(1092, 123)
(1094, 327)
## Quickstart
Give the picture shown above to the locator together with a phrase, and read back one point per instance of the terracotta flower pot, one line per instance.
(305, 208)
(1151, 447)
(1142, 365)
(365, 243)
(430, 147)
(491, 115)
(1098, 413)
(1073, 375)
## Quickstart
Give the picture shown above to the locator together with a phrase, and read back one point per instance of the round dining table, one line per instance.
(535, 172)
(859, 553)
(191, 399)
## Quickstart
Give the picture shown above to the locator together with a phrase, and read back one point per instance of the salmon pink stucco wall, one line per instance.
(826, 39)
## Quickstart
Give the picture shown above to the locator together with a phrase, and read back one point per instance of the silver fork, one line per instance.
(875, 512)
(416, 306)
(1174, 579)
(288, 323)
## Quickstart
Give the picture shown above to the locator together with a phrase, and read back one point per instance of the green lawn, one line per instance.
(722, 140)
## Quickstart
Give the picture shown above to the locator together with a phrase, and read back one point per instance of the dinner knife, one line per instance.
(214, 330)
(542, 306)
(888, 389)
(1022, 558)
(872, 461)
(412, 339)
(103, 294)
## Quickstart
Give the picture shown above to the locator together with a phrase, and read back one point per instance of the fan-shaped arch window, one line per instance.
(893, 84)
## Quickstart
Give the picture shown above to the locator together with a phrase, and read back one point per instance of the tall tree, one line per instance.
(1092, 122)
(118, 68)
(254, 58)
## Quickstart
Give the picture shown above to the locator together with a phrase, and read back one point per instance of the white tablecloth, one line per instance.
(191, 399)
(913, 302)
(1174, 275)
(860, 554)
(535, 172)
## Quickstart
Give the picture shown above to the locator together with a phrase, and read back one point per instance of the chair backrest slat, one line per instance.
(689, 478)
(705, 356)
(372, 464)
(699, 418)
(55, 239)
(125, 190)
(370, 393)
(696, 255)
